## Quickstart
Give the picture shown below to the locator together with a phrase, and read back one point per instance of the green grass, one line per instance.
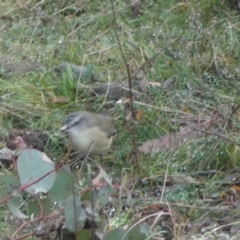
(207, 49)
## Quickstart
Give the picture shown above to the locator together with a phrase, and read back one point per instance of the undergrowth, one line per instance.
(204, 63)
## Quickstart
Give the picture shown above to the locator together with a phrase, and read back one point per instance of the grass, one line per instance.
(204, 62)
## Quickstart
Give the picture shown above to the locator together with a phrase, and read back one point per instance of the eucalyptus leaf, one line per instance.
(120, 234)
(84, 234)
(13, 205)
(90, 195)
(35, 167)
(64, 185)
(75, 215)
(34, 209)
(8, 185)
(135, 234)
(144, 228)
(115, 234)
(104, 194)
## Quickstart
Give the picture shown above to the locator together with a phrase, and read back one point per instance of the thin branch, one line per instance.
(129, 82)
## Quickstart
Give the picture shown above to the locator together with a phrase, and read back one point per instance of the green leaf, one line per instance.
(106, 177)
(8, 185)
(13, 205)
(104, 194)
(119, 233)
(115, 234)
(64, 185)
(103, 221)
(84, 234)
(75, 215)
(135, 234)
(144, 228)
(33, 165)
(90, 195)
(33, 207)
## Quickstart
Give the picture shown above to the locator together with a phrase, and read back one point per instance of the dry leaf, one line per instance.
(19, 143)
(237, 188)
(231, 195)
(143, 86)
(167, 83)
(185, 108)
(171, 141)
(123, 101)
(114, 90)
(183, 179)
(102, 177)
(128, 116)
(154, 84)
(60, 99)
(138, 115)
(98, 179)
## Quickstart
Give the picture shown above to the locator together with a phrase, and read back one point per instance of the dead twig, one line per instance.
(129, 83)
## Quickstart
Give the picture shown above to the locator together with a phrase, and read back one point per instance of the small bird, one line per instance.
(89, 131)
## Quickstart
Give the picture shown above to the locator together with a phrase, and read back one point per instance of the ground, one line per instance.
(175, 154)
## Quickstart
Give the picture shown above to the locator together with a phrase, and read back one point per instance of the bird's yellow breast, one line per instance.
(83, 140)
